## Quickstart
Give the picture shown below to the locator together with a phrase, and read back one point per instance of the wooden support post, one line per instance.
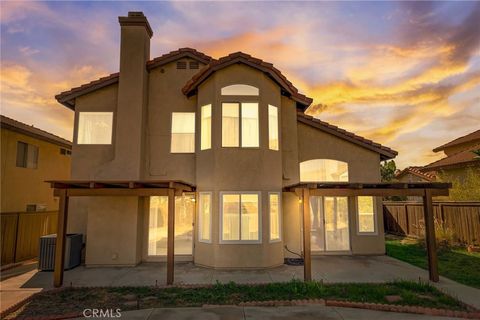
(171, 237)
(430, 236)
(61, 239)
(307, 254)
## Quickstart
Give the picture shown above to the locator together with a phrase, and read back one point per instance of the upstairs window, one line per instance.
(27, 155)
(206, 127)
(272, 127)
(239, 90)
(323, 170)
(95, 128)
(240, 120)
(183, 132)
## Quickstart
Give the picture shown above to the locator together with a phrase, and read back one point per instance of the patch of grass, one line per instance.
(456, 264)
(78, 299)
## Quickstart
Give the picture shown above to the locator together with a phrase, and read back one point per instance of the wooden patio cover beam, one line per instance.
(425, 190)
(78, 188)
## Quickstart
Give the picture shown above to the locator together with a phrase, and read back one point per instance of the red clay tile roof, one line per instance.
(240, 57)
(466, 138)
(178, 54)
(31, 131)
(385, 152)
(428, 176)
(67, 98)
(460, 159)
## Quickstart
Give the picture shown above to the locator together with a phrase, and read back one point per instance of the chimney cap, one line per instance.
(136, 18)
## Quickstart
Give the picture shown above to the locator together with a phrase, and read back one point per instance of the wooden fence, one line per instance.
(21, 232)
(406, 218)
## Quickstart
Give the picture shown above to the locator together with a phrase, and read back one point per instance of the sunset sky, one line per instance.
(404, 74)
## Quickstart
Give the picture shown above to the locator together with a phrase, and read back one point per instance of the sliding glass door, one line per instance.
(329, 224)
(158, 224)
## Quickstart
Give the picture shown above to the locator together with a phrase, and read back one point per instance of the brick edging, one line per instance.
(404, 309)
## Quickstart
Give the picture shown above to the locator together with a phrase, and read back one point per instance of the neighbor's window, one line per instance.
(205, 217)
(232, 115)
(183, 132)
(272, 127)
(27, 155)
(206, 127)
(366, 215)
(275, 216)
(95, 128)
(239, 90)
(323, 170)
(240, 217)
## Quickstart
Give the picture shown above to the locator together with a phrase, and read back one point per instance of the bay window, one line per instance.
(232, 114)
(366, 215)
(206, 127)
(183, 132)
(272, 127)
(275, 216)
(95, 128)
(205, 217)
(240, 217)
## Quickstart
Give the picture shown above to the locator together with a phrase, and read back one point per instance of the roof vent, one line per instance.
(181, 65)
(194, 65)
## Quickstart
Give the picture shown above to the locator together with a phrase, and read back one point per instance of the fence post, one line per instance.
(405, 209)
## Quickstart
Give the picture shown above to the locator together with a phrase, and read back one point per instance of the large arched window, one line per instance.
(239, 90)
(323, 170)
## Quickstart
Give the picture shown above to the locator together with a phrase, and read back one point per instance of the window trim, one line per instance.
(280, 220)
(210, 193)
(375, 214)
(321, 181)
(95, 144)
(278, 128)
(194, 131)
(220, 201)
(240, 140)
(201, 126)
(240, 95)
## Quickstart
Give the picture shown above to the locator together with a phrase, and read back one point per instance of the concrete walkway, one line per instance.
(330, 269)
(309, 312)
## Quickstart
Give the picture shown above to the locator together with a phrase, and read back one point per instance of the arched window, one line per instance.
(239, 90)
(323, 170)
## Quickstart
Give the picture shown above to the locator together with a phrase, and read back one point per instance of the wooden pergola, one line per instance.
(81, 188)
(345, 189)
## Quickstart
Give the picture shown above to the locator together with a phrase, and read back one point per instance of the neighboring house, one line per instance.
(29, 157)
(236, 129)
(459, 157)
(414, 174)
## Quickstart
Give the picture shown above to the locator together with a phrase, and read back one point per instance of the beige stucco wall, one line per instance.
(363, 166)
(22, 186)
(114, 231)
(239, 169)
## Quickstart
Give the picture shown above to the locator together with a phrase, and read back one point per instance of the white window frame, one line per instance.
(280, 220)
(240, 124)
(278, 129)
(200, 217)
(220, 201)
(375, 218)
(202, 127)
(194, 132)
(255, 91)
(94, 144)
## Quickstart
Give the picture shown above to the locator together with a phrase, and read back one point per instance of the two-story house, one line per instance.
(236, 129)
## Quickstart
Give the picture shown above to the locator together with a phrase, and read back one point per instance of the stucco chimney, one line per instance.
(132, 96)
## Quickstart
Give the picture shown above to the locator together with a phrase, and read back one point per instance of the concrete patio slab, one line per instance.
(330, 269)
